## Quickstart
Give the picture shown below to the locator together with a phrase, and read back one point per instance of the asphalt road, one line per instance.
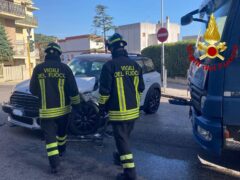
(163, 147)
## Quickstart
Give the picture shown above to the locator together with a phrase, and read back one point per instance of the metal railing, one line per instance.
(28, 20)
(27, 1)
(19, 49)
(11, 8)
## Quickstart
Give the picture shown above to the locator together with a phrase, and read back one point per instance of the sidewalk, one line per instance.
(177, 89)
(9, 83)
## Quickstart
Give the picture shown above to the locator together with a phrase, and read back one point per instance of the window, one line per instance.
(85, 68)
(141, 64)
(149, 66)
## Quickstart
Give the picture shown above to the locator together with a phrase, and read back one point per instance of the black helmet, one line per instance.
(115, 41)
(53, 46)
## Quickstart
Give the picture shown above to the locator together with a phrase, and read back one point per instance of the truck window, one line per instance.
(198, 74)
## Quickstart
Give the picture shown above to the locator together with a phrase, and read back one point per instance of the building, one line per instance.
(77, 45)
(142, 35)
(190, 38)
(17, 18)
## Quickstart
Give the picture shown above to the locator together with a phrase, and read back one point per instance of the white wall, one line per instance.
(147, 30)
(74, 47)
(142, 35)
(96, 45)
(131, 33)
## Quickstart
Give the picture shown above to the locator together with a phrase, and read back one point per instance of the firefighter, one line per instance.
(121, 86)
(53, 82)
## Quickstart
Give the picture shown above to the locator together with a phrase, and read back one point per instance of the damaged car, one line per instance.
(22, 107)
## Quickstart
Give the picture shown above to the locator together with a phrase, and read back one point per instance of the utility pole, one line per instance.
(164, 73)
(28, 52)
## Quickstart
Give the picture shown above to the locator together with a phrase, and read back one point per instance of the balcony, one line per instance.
(27, 2)
(27, 22)
(11, 10)
(19, 50)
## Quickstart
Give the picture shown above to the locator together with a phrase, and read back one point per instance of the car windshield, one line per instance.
(86, 68)
(221, 14)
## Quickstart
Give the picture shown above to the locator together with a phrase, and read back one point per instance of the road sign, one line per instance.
(162, 35)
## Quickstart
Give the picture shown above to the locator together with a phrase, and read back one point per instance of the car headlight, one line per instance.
(203, 100)
(204, 133)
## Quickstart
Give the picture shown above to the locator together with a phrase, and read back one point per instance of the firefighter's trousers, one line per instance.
(122, 131)
(55, 132)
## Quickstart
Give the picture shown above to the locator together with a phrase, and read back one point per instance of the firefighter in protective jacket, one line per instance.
(121, 86)
(53, 82)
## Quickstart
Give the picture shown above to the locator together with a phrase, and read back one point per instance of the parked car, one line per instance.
(23, 106)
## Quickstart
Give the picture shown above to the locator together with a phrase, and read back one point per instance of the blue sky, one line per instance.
(63, 18)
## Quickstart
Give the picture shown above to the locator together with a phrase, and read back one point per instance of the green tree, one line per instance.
(6, 50)
(41, 42)
(102, 20)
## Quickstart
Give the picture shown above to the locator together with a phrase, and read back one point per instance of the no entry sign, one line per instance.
(162, 35)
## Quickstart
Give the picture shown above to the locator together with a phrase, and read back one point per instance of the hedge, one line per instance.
(176, 57)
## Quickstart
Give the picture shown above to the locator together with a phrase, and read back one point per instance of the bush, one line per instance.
(176, 57)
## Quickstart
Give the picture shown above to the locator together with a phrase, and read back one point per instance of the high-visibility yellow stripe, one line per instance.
(115, 40)
(44, 116)
(123, 118)
(126, 157)
(136, 83)
(61, 92)
(75, 99)
(61, 138)
(52, 145)
(123, 94)
(53, 153)
(43, 93)
(54, 112)
(130, 111)
(103, 99)
(62, 143)
(119, 94)
(128, 165)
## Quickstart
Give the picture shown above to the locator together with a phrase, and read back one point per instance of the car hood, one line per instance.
(85, 84)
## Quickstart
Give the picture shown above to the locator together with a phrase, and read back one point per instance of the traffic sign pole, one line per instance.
(164, 80)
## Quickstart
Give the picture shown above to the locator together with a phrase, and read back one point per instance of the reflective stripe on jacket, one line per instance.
(53, 82)
(121, 86)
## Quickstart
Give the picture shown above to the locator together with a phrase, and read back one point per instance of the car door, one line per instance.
(150, 76)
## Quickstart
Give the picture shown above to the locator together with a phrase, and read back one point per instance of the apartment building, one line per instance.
(142, 35)
(77, 45)
(19, 22)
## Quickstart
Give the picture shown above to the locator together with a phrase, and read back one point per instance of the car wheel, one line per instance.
(85, 123)
(152, 101)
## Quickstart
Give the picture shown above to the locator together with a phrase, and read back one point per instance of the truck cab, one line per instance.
(215, 94)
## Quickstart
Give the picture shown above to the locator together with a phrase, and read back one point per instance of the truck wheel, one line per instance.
(85, 123)
(152, 101)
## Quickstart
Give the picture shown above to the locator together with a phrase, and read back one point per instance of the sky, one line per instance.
(63, 18)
